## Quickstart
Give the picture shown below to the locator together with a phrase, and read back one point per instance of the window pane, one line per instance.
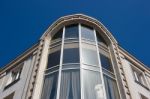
(106, 63)
(71, 31)
(89, 57)
(92, 85)
(58, 35)
(50, 86)
(70, 84)
(53, 59)
(71, 55)
(100, 39)
(111, 88)
(87, 33)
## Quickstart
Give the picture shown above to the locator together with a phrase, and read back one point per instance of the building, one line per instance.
(76, 58)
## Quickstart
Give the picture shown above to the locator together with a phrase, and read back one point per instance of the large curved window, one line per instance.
(77, 63)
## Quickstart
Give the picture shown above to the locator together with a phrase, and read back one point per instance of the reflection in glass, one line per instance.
(89, 56)
(50, 86)
(111, 88)
(53, 59)
(87, 33)
(71, 31)
(106, 63)
(92, 85)
(70, 84)
(58, 35)
(71, 55)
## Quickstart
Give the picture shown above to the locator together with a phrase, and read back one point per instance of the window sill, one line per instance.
(12, 83)
(142, 85)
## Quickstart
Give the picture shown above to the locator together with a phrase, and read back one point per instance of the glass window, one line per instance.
(92, 85)
(148, 80)
(70, 85)
(58, 35)
(106, 63)
(87, 33)
(100, 39)
(14, 75)
(89, 57)
(71, 55)
(53, 59)
(72, 31)
(50, 86)
(111, 88)
(139, 76)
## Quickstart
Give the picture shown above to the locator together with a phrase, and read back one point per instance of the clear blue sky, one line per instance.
(22, 22)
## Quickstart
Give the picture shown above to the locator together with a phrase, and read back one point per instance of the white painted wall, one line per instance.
(135, 88)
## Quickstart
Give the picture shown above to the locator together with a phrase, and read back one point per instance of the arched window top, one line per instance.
(87, 32)
(100, 39)
(58, 35)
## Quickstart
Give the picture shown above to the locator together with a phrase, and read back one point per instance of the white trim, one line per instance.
(60, 68)
(80, 56)
(101, 72)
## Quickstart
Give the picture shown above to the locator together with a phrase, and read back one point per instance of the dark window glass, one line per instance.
(106, 63)
(92, 85)
(71, 55)
(89, 57)
(58, 35)
(100, 39)
(111, 88)
(71, 31)
(70, 84)
(53, 59)
(50, 86)
(87, 33)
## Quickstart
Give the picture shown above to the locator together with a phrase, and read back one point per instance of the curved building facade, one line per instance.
(76, 58)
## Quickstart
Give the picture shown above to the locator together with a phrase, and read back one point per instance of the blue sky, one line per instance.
(22, 22)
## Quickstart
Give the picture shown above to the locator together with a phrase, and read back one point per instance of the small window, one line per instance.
(87, 33)
(14, 75)
(71, 31)
(53, 59)
(143, 97)
(106, 62)
(58, 35)
(148, 80)
(10, 96)
(71, 55)
(139, 76)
